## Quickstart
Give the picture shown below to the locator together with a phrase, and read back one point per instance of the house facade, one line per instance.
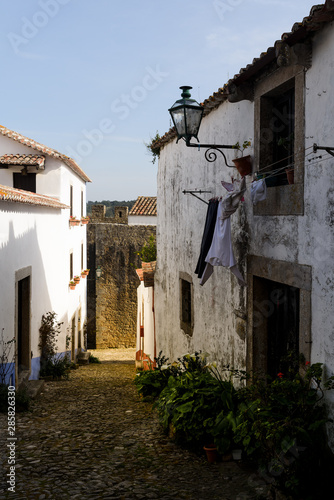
(41, 250)
(144, 211)
(282, 103)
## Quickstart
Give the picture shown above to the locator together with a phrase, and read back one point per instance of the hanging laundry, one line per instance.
(221, 251)
(258, 191)
(210, 222)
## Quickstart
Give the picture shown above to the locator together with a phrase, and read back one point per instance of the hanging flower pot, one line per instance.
(72, 285)
(211, 453)
(290, 173)
(76, 279)
(243, 165)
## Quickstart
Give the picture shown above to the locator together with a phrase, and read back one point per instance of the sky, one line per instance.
(94, 79)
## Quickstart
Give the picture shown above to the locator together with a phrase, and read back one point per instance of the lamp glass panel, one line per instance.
(193, 118)
(179, 121)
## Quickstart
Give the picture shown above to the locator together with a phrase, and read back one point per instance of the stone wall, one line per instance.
(112, 299)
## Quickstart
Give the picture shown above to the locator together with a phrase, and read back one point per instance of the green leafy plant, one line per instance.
(22, 399)
(281, 424)
(7, 357)
(52, 363)
(93, 359)
(148, 253)
(152, 148)
(242, 147)
(150, 383)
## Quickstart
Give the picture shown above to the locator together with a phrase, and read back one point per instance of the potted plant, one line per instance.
(74, 221)
(84, 272)
(243, 163)
(85, 220)
(76, 279)
(72, 284)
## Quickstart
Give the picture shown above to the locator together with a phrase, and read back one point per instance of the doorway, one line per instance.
(276, 325)
(73, 340)
(23, 325)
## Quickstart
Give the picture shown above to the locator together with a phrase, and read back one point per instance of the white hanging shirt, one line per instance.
(221, 251)
(258, 191)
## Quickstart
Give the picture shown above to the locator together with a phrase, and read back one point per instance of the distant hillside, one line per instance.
(110, 206)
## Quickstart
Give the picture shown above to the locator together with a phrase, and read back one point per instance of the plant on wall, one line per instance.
(52, 363)
(148, 253)
(7, 357)
(152, 148)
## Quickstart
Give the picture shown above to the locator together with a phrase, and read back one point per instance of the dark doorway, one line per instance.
(276, 327)
(73, 340)
(23, 325)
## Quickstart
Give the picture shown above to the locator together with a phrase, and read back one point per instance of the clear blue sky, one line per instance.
(94, 79)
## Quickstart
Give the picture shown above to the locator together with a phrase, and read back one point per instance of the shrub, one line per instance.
(52, 363)
(22, 399)
(281, 423)
(93, 359)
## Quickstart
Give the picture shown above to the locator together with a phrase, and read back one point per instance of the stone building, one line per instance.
(113, 245)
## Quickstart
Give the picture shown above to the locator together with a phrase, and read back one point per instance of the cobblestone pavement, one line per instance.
(92, 438)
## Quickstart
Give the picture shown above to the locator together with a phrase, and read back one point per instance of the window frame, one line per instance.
(186, 303)
(284, 199)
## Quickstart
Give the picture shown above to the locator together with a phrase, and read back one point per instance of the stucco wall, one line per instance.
(219, 305)
(39, 240)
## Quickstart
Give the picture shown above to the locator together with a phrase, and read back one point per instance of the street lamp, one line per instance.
(187, 115)
(98, 272)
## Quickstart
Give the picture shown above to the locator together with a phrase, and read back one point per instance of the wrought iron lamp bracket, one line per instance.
(210, 153)
(328, 149)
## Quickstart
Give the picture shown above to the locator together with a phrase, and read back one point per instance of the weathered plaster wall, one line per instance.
(219, 305)
(112, 299)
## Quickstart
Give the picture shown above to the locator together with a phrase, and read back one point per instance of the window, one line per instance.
(186, 304)
(71, 266)
(82, 204)
(26, 181)
(279, 140)
(71, 200)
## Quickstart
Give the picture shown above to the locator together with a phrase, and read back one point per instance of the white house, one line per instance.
(40, 251)
(283, 102)
(144, 211)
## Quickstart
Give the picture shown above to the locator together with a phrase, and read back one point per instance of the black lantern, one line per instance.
(186, 114)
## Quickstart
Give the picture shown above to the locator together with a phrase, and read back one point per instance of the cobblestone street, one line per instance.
(91, 437)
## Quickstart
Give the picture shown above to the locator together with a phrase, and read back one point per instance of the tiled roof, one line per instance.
(319, 15)
(44, 149)
(21, 196)
(144, 205)
(33, 160)
(146, 274)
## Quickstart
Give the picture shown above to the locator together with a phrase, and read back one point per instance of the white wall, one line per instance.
(142, 220)
(180, 227)
(41, 238)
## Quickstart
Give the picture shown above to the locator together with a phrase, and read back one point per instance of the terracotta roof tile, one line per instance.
(144, 205)
(10, 194)
(146, 274)
(44, 149)
(319, 14)
(33, 160)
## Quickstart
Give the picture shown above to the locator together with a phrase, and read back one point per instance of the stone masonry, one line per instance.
(112, 299)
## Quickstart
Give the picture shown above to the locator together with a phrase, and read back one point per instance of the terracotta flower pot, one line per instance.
(211, 453)
(243, 165)
(290, 173)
